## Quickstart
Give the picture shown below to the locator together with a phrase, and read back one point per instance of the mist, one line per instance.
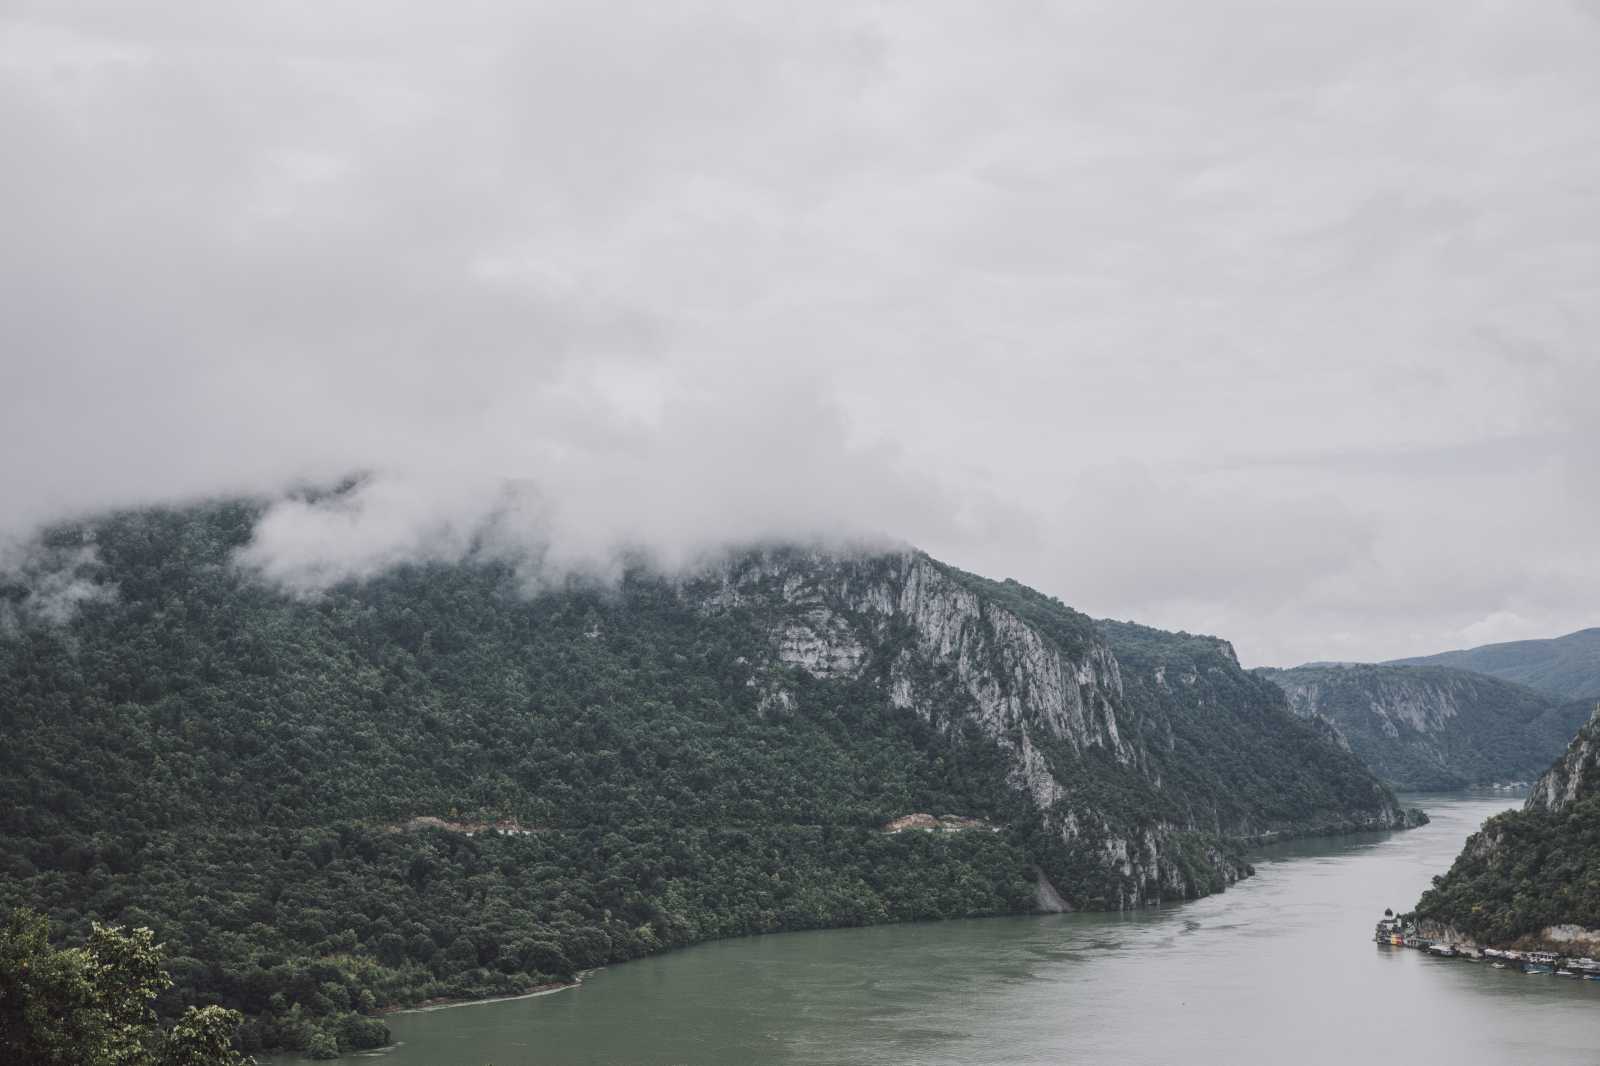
(1274, 322)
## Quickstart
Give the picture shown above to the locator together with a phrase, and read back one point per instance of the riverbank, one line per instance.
(1410, 818)
(445, 1002)
(1531, 955)
(1266, 857)
(1413, 818)
(1141, 988)
(1532, 962)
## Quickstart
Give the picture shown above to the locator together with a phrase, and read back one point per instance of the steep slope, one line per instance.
(1040, 681)
(1533, 875)
(1224, 747)
(433, 784)
(1575, 776)
(1566, 666)
(1433, 727)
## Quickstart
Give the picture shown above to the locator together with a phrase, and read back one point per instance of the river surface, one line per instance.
(1279, 969)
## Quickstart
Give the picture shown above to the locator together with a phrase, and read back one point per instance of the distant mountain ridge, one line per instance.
(1566, 666)
(1434, 727)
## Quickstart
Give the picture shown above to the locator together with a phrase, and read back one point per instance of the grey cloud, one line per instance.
(1275, 321)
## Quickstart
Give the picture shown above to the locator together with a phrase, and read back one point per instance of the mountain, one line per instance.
(1533, 875)
(438, 783)
(1434, 727)
(1219, 744)
(1566, 666)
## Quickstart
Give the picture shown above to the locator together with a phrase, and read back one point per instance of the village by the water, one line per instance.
(1395, 931)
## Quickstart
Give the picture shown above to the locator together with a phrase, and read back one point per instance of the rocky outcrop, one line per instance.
(1019, 685)
(945, 823)
(1575, 774)
(1575, 939)
(1048, 898)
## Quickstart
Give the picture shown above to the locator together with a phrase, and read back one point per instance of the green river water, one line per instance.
(1279, 969)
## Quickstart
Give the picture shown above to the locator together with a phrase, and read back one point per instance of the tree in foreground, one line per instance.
(91, 1005)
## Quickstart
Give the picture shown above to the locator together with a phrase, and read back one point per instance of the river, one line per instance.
(1280, 968)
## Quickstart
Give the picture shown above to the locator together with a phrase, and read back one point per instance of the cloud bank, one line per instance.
(1271, 321)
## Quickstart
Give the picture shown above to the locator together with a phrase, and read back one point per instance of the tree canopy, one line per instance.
(93, 1005)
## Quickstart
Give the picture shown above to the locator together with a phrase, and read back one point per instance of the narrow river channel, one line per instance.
(1279, 969)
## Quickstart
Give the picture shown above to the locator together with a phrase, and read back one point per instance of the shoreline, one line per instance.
(1246, 844)
(447, 1003)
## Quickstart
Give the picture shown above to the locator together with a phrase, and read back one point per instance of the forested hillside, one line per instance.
(433, 784)
(1435, 727)
(1225, 745)
(1533, 874)
(1566, 667)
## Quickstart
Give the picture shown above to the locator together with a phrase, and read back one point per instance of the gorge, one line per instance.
(685, 756)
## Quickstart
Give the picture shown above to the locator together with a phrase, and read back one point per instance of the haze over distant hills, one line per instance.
(1500, 712)
(1435, 727)
(1564, 666)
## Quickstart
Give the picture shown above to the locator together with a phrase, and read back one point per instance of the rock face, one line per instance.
(1018, 684)
(1575, 775)
(1130, 817)
(1434, 727)
(1533, 875)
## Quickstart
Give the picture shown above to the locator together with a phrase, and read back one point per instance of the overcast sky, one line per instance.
(1274, 320)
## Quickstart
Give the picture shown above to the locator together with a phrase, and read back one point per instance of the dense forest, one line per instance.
(1435, 727)
(1529, 870)
(433, 784)
(1229, 750)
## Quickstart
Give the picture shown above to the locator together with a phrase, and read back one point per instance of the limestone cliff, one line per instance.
(1433, 727)
(1131, 782)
